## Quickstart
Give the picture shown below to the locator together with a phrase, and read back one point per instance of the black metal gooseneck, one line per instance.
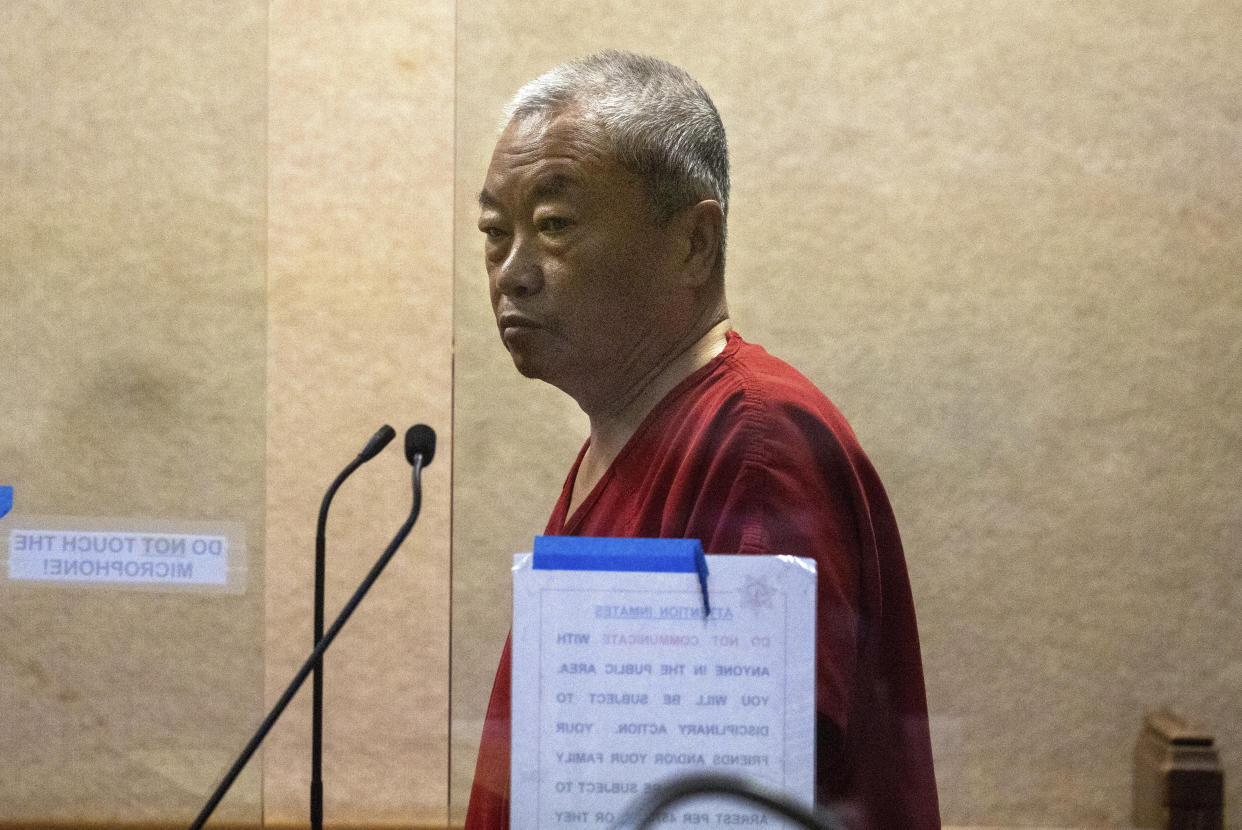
(419, 450)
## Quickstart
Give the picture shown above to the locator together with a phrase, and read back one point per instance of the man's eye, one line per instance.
(492, 231)
(553, 224)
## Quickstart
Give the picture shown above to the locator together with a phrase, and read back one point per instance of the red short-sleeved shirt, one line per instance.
(749, 457)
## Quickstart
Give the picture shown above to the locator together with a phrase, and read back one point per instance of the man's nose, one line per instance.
(519, 273)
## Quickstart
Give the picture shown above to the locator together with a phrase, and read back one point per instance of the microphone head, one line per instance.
(378, 441)
(420, 439)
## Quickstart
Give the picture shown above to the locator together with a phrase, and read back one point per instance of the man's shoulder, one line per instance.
(767, 388)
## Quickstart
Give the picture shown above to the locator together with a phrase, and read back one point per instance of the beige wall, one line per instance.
(359, 261)
(1002, 237)
(132, 303)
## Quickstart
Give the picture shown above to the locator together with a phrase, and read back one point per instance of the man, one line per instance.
(603, 212)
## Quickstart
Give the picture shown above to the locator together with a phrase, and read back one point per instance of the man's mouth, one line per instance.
(513, 322)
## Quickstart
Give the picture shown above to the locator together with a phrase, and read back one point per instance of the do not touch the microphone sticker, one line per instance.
(118, 557)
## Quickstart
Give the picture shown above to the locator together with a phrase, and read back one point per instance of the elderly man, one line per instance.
(603, 212)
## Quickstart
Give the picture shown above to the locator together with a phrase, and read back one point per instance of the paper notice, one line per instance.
(620, 682)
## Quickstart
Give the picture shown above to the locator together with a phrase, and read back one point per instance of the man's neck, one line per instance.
(612, 427)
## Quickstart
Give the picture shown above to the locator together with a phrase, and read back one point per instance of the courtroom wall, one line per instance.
(359, 260)
(132, 328)
(226, 262)
(1003, 238)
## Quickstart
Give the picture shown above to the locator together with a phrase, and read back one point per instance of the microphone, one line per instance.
(382, 437)
(420, 448)
(378, 441)
(420, 440)
(423, 448)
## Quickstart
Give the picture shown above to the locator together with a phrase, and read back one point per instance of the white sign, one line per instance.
(68, 555)
(619, 683)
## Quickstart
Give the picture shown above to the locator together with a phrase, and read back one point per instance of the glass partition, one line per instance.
(1001, 240)
(132, 309)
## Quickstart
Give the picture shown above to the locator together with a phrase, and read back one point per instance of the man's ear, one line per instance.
(701, 227)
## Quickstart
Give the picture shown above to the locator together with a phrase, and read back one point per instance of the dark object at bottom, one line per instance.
(1178, 782)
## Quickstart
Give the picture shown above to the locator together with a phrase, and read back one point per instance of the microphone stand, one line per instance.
(373, 447)
(317, 653)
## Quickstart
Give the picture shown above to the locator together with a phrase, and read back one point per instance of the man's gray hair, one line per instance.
(658, 122)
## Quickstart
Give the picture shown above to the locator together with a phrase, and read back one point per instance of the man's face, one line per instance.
(576, 262)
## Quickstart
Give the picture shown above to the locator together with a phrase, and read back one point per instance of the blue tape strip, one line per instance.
(592, 553)
(595, 553)
(6, 501)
